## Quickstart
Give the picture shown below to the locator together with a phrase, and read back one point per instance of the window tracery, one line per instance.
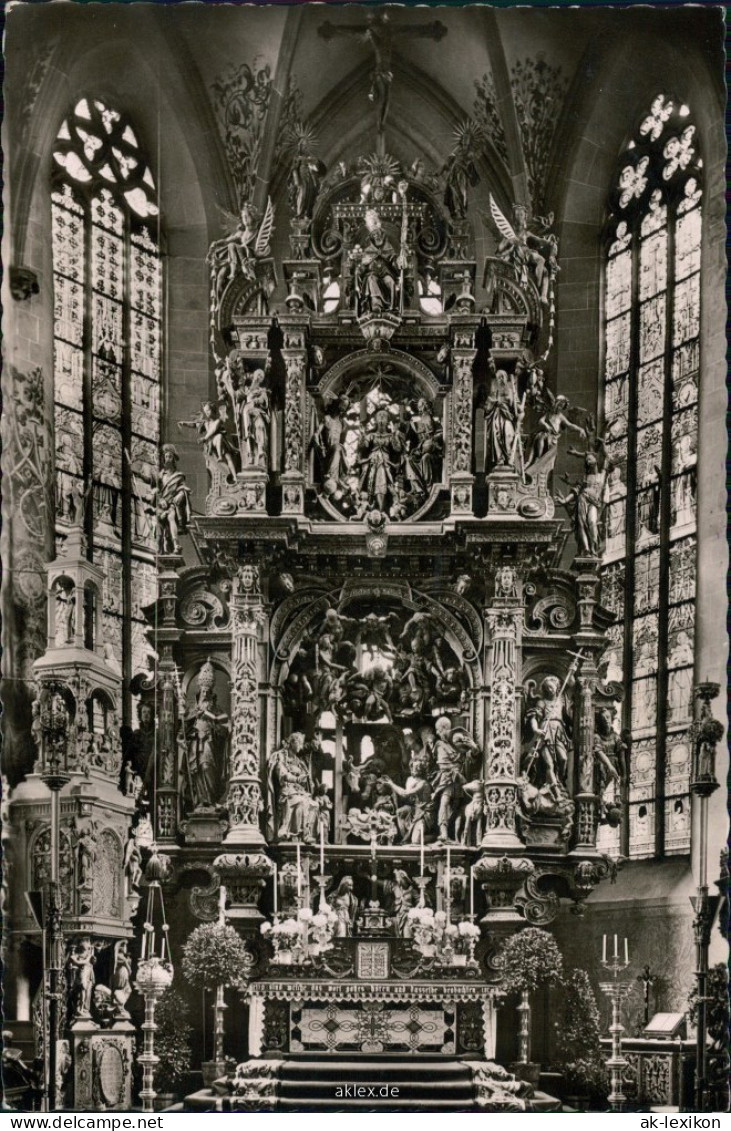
(651, 370)
(107, 275)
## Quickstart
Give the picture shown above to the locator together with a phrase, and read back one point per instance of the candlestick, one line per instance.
(322, 849)
(421, 853)
(449, 886)
(604, 948)
(299, 877)
(616, 952)
(472, 892)
(275, 893)
(626, 953)
(222, 904)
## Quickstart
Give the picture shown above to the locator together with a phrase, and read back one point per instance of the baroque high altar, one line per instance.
(376, 717)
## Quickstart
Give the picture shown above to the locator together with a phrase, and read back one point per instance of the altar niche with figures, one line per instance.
(387, 737)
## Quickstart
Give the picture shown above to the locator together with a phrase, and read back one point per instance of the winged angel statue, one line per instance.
(248, 239)
(531, 254)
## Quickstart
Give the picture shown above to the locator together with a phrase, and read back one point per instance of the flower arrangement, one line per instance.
(434, 937)
(296, 940)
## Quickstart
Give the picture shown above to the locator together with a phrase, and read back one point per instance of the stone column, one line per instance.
(589, 643)
(166, 639)
(295, 403)
(244, 795)
(503, 622)
(461, 479)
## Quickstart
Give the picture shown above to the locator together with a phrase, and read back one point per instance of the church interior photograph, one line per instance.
(364, 559)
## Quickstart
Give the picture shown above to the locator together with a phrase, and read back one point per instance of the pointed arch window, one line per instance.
(107, 276)
(651, 375)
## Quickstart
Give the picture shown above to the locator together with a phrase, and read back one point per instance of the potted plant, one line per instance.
(172, 1044)
(527, 961)
(578, 1044)
(215, 956)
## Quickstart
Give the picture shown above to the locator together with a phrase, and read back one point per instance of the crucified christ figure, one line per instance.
(379, 35)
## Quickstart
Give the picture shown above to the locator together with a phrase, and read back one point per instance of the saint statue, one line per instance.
(345, 905)
(376, 269)
(414, 817)
(207, 734)
(329, 444)
(294, 808)
(503, 417)
(548, 728)
(404, 895)
(453, 753)
(80, 965)
(379, 452)
(65, 610)
(121, 979)
(586, 502)
(253, 403)
(212, 435)
(172, 499)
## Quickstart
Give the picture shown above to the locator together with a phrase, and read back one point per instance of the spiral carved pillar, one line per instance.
(244, 796)
(503, 619)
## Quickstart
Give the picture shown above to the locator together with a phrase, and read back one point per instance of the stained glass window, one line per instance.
(107, 359)
(651, 370)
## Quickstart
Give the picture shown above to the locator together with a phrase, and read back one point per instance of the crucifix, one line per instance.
(377, 33)
(646, 978)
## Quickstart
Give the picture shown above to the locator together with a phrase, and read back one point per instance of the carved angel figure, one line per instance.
(212, 435)
(247, 239)
(532, 255)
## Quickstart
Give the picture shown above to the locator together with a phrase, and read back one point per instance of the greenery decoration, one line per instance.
(578, 1037)
(172, 1041)
(530, 959)
(214, 955)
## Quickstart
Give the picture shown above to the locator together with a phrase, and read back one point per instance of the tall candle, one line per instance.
(604, 948)
(299, 875)
(275, 893)
(421, 854)
(616, 951)
(626, 953)
(322, 849)
(222, 904)
(472, 892)
(449, 886)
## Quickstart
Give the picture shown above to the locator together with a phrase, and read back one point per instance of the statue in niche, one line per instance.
(252, 401)
(586, 502)
(503, 417)
(547, 727)
(404, 896)
(207, 737)
(415, 817)
(212, 435)
(426, 447)
(551, 426)
(296, 812)
(376, 268)
(306, 176)
(132, 866)
(379, 451)
(455, 755)
(121, 979)
(85, 843)
(328, 443)
(81, 979)
(65, 614)
(246, 240)
(172, 502)
(345, 905)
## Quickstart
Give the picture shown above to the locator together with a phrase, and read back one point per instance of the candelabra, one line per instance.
(154, 975)
(616, 991)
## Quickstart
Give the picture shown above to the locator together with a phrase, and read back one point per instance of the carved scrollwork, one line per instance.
(204, 609)
(538, 905)
(554, 612)
(204, 900)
